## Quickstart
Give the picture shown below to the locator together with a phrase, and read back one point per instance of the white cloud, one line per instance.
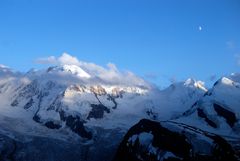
(3, 66)
(67, 59)
(48, 60)
(238, 59)
(112, 66)
(110, 74)
(64, 59)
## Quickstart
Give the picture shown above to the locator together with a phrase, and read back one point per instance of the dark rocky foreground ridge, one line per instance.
(151, 141)
(146, 141)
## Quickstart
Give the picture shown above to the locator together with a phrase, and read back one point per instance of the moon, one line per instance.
(200, 28)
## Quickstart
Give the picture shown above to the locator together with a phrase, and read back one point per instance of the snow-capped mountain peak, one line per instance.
(6, 71)
(76, 70)
(74, 101)
(193, 83)
(73, 69)
(3, 66)
(226, 81)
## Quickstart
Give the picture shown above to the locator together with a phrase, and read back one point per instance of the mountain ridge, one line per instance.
(70, 105)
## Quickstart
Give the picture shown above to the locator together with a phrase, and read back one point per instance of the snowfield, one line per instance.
(86, 103)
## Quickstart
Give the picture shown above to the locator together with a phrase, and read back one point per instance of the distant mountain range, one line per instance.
(87, 113)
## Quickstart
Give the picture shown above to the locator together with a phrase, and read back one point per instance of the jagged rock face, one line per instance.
(27, 91)
(116, 92)
(229, 116)
(48, 94)
(67, 102)
(98, 90)
(58, 106)
(76, 88)
(218, 110)
(203, 115)
(149, 140)
(97, 111)
(76, 125)
(52, 125)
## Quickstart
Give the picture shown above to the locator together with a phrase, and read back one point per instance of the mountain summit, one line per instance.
(85, 106)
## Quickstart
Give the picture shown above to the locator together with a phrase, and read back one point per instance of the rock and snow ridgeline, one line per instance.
(93, 104)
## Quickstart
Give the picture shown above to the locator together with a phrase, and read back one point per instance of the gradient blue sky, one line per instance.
(157, 39)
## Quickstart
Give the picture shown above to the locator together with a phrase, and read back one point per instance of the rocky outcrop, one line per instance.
(97, 111)
(229, 116)
(202, 114)
(150, 140)
(76, 124)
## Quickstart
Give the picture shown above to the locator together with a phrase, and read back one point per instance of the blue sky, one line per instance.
(157, 39)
